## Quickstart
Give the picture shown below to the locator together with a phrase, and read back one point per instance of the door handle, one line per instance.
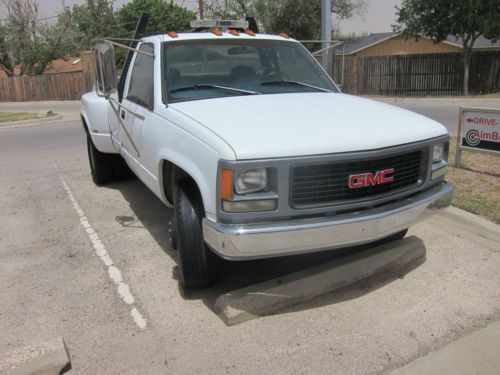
(122, 114)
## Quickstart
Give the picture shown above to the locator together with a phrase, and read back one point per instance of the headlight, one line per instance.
(438, 153)
(250, 180)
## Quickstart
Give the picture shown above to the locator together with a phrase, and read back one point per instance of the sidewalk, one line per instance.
(68, 109)
(477, 353)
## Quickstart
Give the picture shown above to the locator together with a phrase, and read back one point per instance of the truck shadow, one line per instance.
(155, 217)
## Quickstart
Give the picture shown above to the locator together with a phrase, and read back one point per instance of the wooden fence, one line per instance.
(418, 75)
(403, 75)
(61, 86)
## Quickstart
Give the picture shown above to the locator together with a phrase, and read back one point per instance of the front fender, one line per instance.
(202, 171)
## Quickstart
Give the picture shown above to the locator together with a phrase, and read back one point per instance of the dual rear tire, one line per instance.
(106, 168)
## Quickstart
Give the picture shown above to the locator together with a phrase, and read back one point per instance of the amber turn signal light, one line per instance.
(226, 184)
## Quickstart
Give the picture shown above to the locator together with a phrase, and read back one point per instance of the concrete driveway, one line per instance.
(57, 227)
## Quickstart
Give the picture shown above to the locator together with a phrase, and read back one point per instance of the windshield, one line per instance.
(204, 69)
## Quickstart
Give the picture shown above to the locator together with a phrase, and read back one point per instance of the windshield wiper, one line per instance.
(286, 82)
(195, 87)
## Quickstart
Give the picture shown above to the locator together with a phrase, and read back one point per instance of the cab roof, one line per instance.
(212, 36)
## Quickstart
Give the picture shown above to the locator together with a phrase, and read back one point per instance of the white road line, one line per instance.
(114, 273)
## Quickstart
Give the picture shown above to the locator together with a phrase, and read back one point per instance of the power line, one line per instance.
(46, 18)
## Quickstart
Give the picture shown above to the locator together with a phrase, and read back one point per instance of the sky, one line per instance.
(379, 15)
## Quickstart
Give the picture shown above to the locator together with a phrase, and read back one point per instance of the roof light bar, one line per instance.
(233, 24)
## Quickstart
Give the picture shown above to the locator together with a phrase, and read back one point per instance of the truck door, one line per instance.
(137, 103)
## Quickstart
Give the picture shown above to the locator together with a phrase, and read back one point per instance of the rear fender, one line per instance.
(94, 112)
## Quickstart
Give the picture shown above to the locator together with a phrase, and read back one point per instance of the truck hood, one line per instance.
(284, 125)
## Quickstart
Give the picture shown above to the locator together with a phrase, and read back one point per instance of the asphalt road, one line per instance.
(443, 110)
(56, 229)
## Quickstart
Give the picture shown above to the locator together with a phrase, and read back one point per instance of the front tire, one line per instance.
(197, 264)
(396, 236)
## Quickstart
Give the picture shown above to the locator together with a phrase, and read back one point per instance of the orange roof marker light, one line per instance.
(283, 35)
(173, 34)
(217, 32)
(249, 32)
(234, 32)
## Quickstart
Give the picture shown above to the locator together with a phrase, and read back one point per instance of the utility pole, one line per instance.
(326, 32)
(202, 9)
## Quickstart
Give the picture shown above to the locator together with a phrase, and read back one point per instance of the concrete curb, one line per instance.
(471, 223)
(34, 122)
(476, 353)
(57, 362)
(273, 295)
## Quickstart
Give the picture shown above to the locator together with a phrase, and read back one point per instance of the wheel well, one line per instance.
(171, 175)
(84, 124)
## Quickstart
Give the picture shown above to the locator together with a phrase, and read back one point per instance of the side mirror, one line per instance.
(105, 66)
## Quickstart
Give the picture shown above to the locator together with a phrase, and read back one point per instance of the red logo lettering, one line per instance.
(371, 179)
(482, 121)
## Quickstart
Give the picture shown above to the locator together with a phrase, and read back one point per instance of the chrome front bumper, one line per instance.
(263, 240)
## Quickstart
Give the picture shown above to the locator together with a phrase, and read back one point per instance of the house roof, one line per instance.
(481, 42)
(66, 65)
(360, 43)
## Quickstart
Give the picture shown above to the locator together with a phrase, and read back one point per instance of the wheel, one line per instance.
(101, 164)
(121, 170)
(197, 264)
(396, 236)
(172, 231)
(106, 167)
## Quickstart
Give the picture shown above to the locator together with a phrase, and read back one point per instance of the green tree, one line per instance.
(298, 18)
(230, 9)
(24, 37)
(95, 18)
(466, 20)
(5, 56)
(164, 16)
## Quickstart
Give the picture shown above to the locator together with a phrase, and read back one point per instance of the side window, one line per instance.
(141, 85)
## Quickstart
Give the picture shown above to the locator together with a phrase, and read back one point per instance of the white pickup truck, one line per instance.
(257, 151)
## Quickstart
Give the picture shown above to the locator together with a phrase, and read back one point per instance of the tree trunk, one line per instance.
(467, 58)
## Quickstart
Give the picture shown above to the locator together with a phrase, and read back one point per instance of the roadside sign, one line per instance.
(478, 130)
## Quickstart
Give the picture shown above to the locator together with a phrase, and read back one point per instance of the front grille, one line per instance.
(328, 183)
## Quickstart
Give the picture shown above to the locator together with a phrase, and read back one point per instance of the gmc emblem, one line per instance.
(370, 179)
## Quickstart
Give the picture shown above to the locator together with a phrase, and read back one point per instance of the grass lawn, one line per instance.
(18, 116)
(477, 183)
